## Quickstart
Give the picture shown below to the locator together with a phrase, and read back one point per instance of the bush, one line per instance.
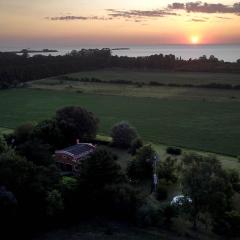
(136, 144)
(167, 170)
(3, 145)
(99, 170)
(150, 213)
(162, 192)
(228, 225)
(54, 203)
(174, 151)
(122, 201)
(123, 134)
(23, 133)
(37, 152)
(169, 212)
(141, 165)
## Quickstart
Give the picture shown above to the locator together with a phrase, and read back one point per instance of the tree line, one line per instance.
(17, 69)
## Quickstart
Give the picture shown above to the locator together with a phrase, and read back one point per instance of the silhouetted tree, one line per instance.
(209, 186)
(123, 134)
(76, 123)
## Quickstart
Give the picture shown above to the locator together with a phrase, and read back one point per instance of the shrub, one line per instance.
(174, 151)
(169, 212)
(3, 145)
(136, 144)
(23, 133)
(141, 165)
(228, 225)
(54, 203)
(122, 200)
(167, 170)
(99, 170)
(162, 192)
(150, 213)
(123, 134)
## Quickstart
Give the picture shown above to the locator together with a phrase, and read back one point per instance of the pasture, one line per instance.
(209, 126)
(160, 76)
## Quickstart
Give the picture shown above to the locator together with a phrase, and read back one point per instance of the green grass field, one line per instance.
(204, 125)
(178, 93)
(160, 76)
(5, 130)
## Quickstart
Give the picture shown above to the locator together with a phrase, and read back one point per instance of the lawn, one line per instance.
(5, 130)
(202, 125)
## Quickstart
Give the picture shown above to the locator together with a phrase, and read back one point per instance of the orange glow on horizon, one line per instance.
(28, 22)
(195, 39)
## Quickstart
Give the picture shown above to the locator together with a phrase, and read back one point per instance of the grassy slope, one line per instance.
(209, 126)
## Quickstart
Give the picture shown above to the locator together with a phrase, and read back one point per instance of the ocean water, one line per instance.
(229, 53)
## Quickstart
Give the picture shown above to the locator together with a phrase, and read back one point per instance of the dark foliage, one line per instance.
(29, 186)
(136, 144)
(100, 170)
(210, 187)
(167, 170)
(228, 225)
(162, 192)
(76, 123)
(36, 152)
(141, 167)
(174, 151)
(48, 132)
(123, 135)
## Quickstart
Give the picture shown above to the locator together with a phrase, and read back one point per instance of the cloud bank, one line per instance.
(200, 7)
(174, 9)
(72, 18)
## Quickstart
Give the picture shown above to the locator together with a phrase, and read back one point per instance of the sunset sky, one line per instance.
(118, 22)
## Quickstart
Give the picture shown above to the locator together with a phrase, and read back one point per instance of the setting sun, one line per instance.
(194, 39)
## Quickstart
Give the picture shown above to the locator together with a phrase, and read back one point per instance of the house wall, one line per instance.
(63, 158)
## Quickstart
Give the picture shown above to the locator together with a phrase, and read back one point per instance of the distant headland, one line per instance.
(46, 50)
(113, 49)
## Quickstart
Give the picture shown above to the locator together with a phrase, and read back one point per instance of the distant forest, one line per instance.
(17, 69)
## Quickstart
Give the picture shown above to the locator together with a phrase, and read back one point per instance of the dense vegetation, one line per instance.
(17, 69)
(34, 195)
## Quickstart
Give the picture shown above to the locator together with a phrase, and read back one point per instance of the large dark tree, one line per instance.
(141, 166)
(209, 186)
(48, 132)
(104, 188)
(100, 170)
(31, 186)
(96, 174)
(22, 133)
(37, 152)
(123, 135)
(76, 123)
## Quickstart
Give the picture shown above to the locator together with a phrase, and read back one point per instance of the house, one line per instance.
(69, 159)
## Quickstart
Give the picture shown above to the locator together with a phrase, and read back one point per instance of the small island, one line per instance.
(115, 49)
(46, 50)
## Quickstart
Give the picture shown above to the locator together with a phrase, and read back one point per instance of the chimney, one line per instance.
(78, 142)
